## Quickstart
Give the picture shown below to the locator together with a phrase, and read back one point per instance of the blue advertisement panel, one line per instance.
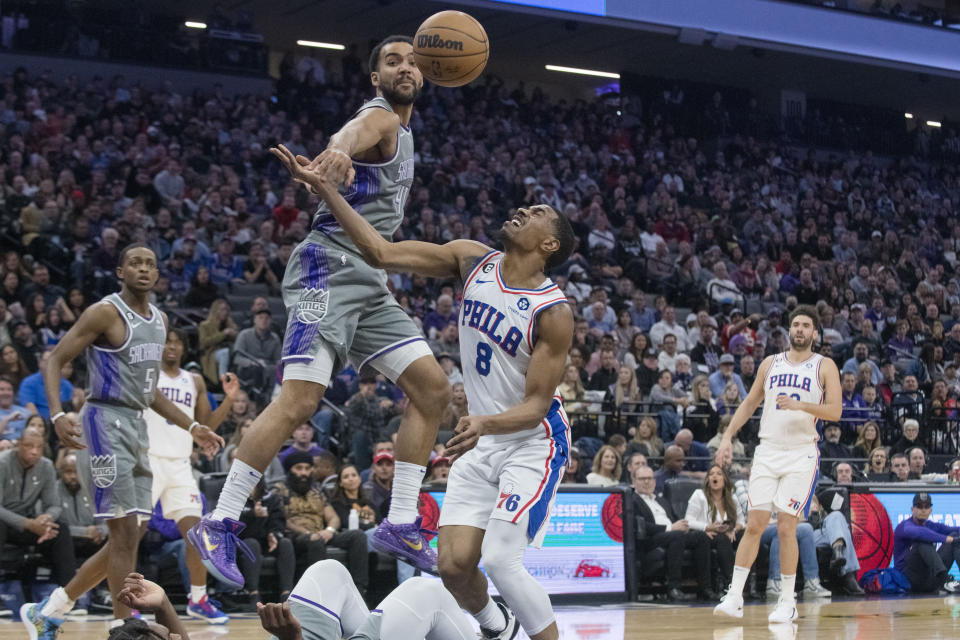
(590, 7)
(946, 510)
(583, 548)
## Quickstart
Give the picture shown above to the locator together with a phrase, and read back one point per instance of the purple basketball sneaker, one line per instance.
(407, 542)
(217, 541)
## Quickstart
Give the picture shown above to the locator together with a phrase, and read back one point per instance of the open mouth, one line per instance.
(516, 220)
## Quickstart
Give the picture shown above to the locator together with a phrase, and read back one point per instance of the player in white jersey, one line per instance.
(510, 452)
(797, 388)
(170, 448)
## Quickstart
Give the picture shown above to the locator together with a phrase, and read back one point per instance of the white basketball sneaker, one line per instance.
(731, 605)
(784, 613)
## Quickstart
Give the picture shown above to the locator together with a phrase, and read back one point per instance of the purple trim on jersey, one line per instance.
(104, 379)
(556, 465)
(99, 446)
(317, 605)
(365, 187)
(388, 349)
(314, 275)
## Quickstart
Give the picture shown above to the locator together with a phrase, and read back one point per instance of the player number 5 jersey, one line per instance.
(497, 336)
(787, 427)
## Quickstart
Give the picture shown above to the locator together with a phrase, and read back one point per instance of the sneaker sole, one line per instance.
(193, 539)
(726, 614)
(400, 554)
(200, 616)
(790, 621)
(31, 629)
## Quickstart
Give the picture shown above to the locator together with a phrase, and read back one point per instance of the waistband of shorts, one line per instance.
(114, 406)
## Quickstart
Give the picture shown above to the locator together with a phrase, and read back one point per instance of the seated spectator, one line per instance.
(657, 527)
(438, 470)
(216, 336)
(30, 511)
(860, 355)
(667, 359)
(808, 560)
(202, 293)
(876, 467)
(12, 365)
(256, 269)
(645, 439)
(899, 468)
(673, 462)
(263, 515)
(88, 535)
(872, 406)
(899, 346)
(701, 416)
(739, 451)
(574, 472)
(909, 402)
(851, 400)
(843, 472)
(830, 445)
(607, 465)
(706, 352)
(13, 417)
(302, 441)
(447, 340)
(663, 393)
(918, 462)
(729, 400)
(440, 317)
(908, 439)
(669, 324)
(451, 367)
(725, 374)
(458, 407)
(832, 530)
(570, 389)
(262, 344)
(683, 376)
(380, 484)
(648, 372)
(326, 468)
(314, 524)
(608, 372)
(867, 441)
(622, 395)
(634, 460)
(624, 334)
(32, 394)
(348, 495)
(692, 449)
(367, 415)
(721, 288)
(748, 370)
(915, 551)
(713, 510)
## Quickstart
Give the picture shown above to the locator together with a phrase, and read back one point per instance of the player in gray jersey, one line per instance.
(123, 336)
(341, 311)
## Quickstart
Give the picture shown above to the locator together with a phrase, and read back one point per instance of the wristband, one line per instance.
(56, 417)
(194, 424)
(343, 153)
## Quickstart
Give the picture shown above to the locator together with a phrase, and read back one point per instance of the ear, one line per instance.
(375, 79)
(550, 245)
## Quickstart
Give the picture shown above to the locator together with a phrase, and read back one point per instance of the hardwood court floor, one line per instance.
(931, 618)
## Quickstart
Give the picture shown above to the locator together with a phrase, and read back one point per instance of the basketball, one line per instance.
(872, 532)
(612, 516)
(451, 48)
(430, 511)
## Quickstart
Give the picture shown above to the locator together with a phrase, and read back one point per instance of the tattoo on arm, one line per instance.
(468, 264)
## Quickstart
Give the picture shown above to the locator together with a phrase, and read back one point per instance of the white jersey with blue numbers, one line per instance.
(497, 336)
(788, 427)
(167, 440)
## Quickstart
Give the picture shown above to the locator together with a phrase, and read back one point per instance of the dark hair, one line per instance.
(809, 311)
(181, 335)
(563, 232)
(340, 494)
(375, 54)
(131, 247)
(133, 629)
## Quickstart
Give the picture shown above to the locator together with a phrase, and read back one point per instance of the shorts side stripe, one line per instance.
(317, 606)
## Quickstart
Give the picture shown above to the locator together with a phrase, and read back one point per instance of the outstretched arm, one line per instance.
(425, 258)
(555, 331)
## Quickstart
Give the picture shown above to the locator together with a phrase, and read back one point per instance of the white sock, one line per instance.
(239, 485)
(58, 605)
(407, 478)
(786, 587)
(739, 580)
(491, 617)
(197, 592)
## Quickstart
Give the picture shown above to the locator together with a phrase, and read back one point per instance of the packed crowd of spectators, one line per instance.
(692, 251)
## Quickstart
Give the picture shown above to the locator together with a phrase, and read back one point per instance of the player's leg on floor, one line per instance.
(326, 593)
(422, 608)
(428, 392)
(502, 552)
(215, 537)
(789, 553)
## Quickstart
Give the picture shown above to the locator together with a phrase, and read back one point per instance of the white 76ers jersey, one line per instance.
(166, 439)
(788, 427)
(497, 326)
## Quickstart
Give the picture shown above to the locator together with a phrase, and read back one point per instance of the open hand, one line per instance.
(209, 441)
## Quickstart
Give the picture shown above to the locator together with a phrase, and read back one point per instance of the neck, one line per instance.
(302, 447)
(403, 111)
(171, 369)
(795, 355)
(352, 493)
(137, 301)
(522, 270)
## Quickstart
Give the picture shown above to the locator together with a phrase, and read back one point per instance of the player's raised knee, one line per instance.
(327, 572)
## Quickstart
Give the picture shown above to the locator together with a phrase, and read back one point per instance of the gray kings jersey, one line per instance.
(127, 376)
(378, 192)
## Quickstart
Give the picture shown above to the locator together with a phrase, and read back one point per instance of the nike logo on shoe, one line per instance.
(206, 542)
(415, 547)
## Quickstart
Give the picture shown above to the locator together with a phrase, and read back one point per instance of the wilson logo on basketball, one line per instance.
(427, 41)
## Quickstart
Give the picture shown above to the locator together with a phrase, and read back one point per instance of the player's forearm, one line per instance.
(216, 418)
(526, 415)
(162, 405)
(51, 384)
(354, 138)
(167, 616)
(827, 412)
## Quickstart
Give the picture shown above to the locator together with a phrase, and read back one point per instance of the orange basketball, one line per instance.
(451, 48)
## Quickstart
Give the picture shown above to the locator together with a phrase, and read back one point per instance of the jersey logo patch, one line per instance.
(104, 470)
(523, 304)
(312, 305)
(487, 268)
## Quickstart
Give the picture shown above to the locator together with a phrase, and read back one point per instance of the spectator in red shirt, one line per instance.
(671, 229)
(285, 213)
